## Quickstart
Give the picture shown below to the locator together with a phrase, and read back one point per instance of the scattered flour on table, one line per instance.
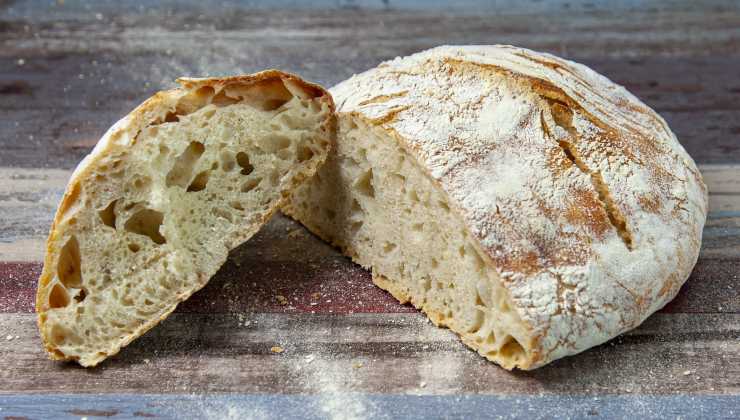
(331, 379)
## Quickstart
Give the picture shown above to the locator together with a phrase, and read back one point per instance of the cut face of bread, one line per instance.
(372, 200)
(522, 200)
(152, 213)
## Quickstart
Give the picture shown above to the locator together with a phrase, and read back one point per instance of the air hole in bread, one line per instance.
(356, 208)
(199, 182)
(291, 121)
(512, 349)
(58, 297)
(266, 96)
(479, 300)
(364, 184)
(80, 296)
(272, 144)
(146, 222)
(250, 185)
(171, 117)
(164, 150)
(400, 179)
(218, 212)
(285, 154)
(355, 227)
(227, 161)
(236, 205)
(426, 284)
(68, 267)
(388, 247)
(274, 178)
(208, 115)
(58, 334)
(222, 99)
(417, 227)
(305, 153)
(134, 247)
(108, 214)
(71, 200)
(182, 170)
(461, 250)
(414, 196)
(242, 159)
(479, 263)
(205, 92)
(142, 183)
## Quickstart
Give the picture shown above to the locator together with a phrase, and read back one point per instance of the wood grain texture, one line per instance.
(373, 353)
(335, 285)
(104, 60)
(352, 405)
(68, 70)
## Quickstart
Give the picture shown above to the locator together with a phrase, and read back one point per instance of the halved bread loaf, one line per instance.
(525, 202)
(151, 214)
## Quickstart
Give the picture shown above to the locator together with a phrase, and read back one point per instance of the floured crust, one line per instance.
(577, 193)
(124, 133)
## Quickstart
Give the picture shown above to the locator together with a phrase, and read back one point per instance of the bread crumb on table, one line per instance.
(277, 349)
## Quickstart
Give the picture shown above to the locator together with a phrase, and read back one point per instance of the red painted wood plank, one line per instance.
(338, 286)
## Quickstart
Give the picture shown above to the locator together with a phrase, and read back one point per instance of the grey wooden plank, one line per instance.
(64, 81)
(74, 9)
(360, 406)
(696, 354)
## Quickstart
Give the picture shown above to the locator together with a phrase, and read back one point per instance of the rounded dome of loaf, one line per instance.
(578, 193)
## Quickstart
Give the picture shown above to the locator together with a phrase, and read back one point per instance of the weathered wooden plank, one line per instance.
(66, 119)
(353, 406)
(374, 353)
(104, 63)
(76, 9)
(336, 285)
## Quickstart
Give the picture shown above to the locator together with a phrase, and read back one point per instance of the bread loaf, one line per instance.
(522, 200)
(151, 214)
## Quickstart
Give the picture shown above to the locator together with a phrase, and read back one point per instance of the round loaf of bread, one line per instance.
(522, 200)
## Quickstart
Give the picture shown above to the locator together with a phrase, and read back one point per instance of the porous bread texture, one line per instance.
(575, 198)
(151, 214)
(373, 201)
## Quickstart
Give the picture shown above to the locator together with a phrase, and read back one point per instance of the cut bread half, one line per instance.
(151, 214)
(522, 200)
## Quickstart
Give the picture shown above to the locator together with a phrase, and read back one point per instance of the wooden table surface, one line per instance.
(68, 70)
